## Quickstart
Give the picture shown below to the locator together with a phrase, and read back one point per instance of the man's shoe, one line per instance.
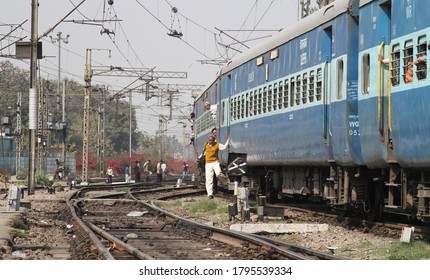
(211, 197)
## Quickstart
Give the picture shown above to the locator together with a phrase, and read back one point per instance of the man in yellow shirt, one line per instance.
(212, 165)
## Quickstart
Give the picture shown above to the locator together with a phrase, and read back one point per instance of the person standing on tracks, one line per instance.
(137, 171)
(163, 169)
(56, 171)
(127, 174)
(109, 173)
(146, 172)
(185, 171)
(212, 165)
(159, 171)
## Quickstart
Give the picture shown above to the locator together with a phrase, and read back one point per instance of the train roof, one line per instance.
(314, 20)
(296, 29)
(364, 2)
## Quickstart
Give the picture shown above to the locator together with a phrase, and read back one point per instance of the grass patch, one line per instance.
(19, 223)
(396, 250)
(122, 189)
(208, 207)
(417, 250)
(17, 233)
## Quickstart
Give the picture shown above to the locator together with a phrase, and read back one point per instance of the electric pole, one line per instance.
(59, 39)
(33, 97)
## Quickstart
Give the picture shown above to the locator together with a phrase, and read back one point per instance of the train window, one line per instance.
(275, 97)
(285, 101)
(421, 60)
(339, 78)
(408, 60)
(264, 100)
(365, 73)
(292, 89)
(311, 85)
(236, 108)
(319, 83)
(395, 65)
(233, 108)
(242, 107)
(269, 98)
(298, 89)
(238, 105)
(251, 104)
(247, 105)
(305, 88)
(280, 92)
(260, 96)
(255, 111)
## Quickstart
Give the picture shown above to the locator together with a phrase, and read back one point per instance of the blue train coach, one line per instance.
(319, 112)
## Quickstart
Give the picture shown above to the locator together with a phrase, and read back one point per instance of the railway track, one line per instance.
(132, 227)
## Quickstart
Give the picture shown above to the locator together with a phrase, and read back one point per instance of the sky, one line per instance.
(134, 34)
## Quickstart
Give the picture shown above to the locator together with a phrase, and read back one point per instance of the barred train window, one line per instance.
(260, 97)
(408, 60)
(421, 59)
(286, 87)
(264, 100)
(247, 105)
(233, 108)
(238, 108)
(251, 104)
(280, 93)
(292, 89)
(305, 88)
(319, 83)
(275, 97)
(242, 107)
(298, 89)
(395, 65)
(255, 102)
(311, 86)
(365, 73)
(269, 99)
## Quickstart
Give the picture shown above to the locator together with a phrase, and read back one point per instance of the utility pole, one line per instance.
(33, 97)
(59, 39)
(63, 120)
(18, 133)
(129, 131)
(86, 122)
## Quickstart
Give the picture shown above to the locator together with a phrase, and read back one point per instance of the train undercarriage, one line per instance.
(393, 191)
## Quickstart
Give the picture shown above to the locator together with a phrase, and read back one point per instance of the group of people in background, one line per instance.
(146, 169)
(137, 172)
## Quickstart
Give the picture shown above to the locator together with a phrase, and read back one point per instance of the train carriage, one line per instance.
(394, 119)
(290, 104)
(318, 114)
